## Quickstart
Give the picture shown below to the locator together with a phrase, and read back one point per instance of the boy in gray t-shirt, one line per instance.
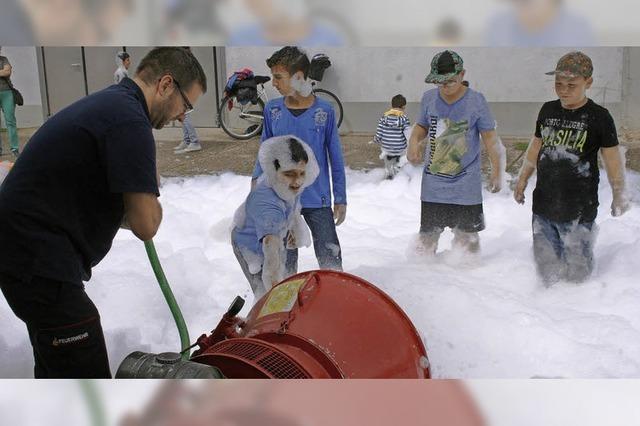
(453, 117)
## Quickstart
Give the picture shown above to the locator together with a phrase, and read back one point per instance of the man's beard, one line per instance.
(160, 117)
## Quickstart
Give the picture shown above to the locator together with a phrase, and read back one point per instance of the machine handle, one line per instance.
(236, 306)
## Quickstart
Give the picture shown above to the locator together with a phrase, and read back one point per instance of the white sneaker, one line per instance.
(182, 145)
(190, 148)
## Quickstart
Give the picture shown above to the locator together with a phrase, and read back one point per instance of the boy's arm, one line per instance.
(494, 151)
(527, 169)
(614, 165)
(338, 178)
(271, 268)
(378, 137)
(417, 135)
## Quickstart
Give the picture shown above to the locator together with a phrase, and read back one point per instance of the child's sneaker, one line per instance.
(180, 147)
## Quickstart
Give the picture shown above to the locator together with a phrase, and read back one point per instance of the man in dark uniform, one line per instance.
(88, 170)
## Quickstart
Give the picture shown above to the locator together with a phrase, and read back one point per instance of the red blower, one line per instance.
(318, 324)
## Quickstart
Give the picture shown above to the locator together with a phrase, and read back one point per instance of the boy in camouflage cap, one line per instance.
(454, 117)
(569, 134)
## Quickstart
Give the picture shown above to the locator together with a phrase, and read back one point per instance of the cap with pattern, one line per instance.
(444, 65)
(573, 64)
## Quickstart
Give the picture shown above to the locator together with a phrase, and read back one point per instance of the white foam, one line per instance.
(483, 317)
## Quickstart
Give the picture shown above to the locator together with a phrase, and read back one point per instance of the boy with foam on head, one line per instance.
(390, 135)
(271, 212)
(299, 112)
(569, 133)
(455, 118)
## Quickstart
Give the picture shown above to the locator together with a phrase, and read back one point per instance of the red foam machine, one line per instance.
(317, 324)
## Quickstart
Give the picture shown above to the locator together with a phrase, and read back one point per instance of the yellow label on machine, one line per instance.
(282, 298)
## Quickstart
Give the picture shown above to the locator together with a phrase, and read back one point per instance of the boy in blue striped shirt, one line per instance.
(390, 135)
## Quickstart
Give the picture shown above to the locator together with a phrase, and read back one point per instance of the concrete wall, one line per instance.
(513, 81)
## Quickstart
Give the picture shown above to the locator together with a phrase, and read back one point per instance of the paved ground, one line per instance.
(221, 153)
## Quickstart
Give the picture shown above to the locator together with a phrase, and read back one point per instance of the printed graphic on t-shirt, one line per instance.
(276, 113)
(571, 135)
(320, 117)
(448, 144)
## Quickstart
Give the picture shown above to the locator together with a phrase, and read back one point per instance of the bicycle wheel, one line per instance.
(240, 121)
(333, 100)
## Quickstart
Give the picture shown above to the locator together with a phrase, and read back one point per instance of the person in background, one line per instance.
(569, 134)
(8, 105)
(390, 135)
(123, 61)
(190, 141)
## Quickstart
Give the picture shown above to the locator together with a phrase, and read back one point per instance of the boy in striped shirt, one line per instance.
(390, 135)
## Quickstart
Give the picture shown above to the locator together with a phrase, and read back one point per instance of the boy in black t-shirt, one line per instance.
(569, 134)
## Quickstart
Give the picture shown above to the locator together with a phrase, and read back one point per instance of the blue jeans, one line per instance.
(325, 241)
(189, 134)
(563, 250)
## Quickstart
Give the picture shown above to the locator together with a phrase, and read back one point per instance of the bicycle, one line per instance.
(240, 112)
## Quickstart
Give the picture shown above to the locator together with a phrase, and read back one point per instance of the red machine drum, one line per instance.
(322, 324)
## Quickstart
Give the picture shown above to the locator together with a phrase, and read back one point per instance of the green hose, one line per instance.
(94, 401)
(171, 300)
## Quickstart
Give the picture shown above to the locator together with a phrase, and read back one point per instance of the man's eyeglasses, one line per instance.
(187, 105)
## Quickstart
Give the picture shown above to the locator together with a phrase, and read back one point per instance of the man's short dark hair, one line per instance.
(292, 58)
(398, 101)
(175, 61)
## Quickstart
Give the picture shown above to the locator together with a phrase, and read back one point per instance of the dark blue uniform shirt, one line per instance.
(61, 205)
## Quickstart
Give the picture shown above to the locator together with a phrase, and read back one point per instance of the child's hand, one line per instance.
(495, 184)
(518, 193)
(619, 205)
(339, 213)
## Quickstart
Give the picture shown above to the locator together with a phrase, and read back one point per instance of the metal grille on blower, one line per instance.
(254, 352)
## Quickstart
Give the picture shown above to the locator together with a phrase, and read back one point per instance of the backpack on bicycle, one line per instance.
(319, 63)
(243, 86)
